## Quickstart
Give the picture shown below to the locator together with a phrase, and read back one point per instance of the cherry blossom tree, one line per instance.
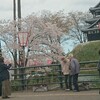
(43, 38)
(46, 34)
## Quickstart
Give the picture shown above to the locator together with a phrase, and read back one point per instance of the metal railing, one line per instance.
(51, 76)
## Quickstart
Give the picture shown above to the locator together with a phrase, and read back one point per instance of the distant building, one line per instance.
(92, 32)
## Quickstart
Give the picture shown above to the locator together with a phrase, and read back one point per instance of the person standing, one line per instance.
(65, 70)
(4, 78)
(74, 71)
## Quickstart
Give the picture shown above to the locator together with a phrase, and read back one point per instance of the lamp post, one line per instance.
(23, 41)
(15, 38)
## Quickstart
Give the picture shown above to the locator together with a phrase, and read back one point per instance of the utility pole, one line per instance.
(19, 15)
(22, 51)
(14, 10)
(19, 26)
(15, 38)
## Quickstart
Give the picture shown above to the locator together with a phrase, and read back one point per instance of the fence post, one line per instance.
(99, 72)
(60, 77)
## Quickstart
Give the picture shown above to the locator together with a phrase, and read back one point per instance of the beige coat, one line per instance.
(65, 67)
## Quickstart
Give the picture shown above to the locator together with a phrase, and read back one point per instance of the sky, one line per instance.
(30, 6)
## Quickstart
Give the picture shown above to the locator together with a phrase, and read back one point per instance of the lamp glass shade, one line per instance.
(23, 38)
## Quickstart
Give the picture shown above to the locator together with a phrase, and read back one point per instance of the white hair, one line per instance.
(70, 55)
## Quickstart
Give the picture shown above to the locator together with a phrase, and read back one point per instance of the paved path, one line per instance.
(56, 95)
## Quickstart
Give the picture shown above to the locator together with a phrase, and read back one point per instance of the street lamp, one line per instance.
(23, 41)
(23, 38)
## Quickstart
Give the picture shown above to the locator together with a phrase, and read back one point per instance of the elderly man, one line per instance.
(74, 71)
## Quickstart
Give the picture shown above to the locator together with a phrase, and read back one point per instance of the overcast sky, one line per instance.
(30, 6)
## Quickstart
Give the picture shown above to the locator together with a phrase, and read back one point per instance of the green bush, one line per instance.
(16, 85)
(87, 51)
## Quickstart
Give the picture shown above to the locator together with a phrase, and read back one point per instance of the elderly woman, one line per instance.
(4, 78)
(65, 71)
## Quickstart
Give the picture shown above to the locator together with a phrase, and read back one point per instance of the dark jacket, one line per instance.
(74, 66)
(4, 73)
